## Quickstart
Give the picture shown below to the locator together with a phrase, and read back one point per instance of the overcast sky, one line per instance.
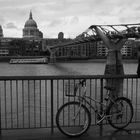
(69, 16)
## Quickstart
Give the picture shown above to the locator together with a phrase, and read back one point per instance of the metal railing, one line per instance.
(32, 101)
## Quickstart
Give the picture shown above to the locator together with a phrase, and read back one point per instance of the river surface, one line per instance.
(84, 68)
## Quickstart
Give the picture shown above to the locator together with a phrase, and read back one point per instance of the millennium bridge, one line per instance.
(85, 45)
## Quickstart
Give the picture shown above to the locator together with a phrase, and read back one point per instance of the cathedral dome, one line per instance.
(30, 29)
(30, 22)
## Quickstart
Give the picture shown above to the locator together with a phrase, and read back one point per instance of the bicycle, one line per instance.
(74, 118)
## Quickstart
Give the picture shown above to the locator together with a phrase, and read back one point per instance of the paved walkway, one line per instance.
(131, 133)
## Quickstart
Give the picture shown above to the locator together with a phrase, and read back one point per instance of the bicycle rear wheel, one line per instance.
(120, 112)
(73, 119)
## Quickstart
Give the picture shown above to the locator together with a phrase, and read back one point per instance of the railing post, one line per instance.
(101, 106)
(52, 122)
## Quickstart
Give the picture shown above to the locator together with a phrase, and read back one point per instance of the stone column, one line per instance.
(52, 57)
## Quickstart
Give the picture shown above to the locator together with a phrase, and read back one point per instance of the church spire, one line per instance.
(30, 16)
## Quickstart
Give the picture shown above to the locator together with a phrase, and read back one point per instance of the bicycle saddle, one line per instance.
(109, 88)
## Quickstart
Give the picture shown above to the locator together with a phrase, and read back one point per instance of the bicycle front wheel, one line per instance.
(73, 119)
(120, 113)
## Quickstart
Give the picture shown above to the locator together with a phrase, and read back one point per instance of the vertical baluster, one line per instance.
(95, 87)
(127, 88)
(57, 94)
(74, 100)
(136, 104)
(63, 103)
(132, 80)
(5, 93)
(101, 106)
(52, 122)
(23, 102)
(17, 101)
(46, 98)
(79, 112)
(34, 105)
(40, 100)
(68, 101)
(29, 102)
(90, 91)
(11, 94)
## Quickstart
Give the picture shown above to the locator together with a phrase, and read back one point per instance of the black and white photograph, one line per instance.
(69, 69)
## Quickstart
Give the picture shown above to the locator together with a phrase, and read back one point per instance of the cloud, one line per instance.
(1, 20)
(11, 25)
(131, 19)
(74, 20)
(56, 22)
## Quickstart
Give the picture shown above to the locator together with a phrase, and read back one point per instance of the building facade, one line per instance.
(102, 50)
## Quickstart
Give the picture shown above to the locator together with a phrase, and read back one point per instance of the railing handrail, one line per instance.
(57, 77)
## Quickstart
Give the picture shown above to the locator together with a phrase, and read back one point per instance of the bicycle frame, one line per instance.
(84, 99)
(101, 113)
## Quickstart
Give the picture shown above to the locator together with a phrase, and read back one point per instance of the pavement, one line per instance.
(130, 133)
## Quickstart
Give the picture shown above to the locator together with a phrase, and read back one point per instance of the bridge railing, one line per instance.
(32, 101)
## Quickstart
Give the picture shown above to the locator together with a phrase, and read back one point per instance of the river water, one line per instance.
(84, 68)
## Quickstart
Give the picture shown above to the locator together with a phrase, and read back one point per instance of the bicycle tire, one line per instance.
(119, 106)
(70, 126)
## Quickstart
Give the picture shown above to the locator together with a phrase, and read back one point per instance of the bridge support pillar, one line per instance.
(52, 58)
(114, 67)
